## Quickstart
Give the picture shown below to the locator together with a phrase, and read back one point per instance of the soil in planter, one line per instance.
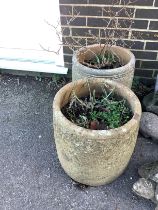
(102, 112)
(108, 60)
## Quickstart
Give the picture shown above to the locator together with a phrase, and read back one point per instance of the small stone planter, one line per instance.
(122, 74)
(94, 157)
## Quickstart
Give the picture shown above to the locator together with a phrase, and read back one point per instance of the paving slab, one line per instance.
(31, 177)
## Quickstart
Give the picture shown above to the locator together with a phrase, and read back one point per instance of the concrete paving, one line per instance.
(31, 177)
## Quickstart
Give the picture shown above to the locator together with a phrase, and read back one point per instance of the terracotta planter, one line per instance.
(94, 157)
(122, 74)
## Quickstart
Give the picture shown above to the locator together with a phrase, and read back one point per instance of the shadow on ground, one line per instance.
(30, 174)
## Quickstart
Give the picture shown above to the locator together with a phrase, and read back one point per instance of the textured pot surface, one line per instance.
(122, 74)
(94, 157)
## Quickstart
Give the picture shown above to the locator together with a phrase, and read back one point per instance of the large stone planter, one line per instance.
(122, 74)
(94, 157)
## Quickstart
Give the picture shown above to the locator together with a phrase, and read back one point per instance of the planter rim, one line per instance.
(120, 70)
(98, 134)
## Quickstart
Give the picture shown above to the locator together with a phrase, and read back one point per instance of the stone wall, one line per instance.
(143, 39)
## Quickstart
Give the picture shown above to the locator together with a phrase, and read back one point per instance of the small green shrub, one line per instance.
(104, 60)
(98, 112)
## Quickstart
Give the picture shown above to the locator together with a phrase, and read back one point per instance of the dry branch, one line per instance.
(115, 31)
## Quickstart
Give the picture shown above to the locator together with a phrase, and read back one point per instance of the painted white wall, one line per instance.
(23, 27)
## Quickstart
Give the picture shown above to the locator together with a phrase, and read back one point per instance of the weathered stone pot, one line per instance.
(94, 157)
(122, 74)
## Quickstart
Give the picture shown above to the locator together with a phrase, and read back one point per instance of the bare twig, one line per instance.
(115, 31)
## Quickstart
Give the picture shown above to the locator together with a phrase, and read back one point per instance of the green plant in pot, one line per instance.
(96, 124)
(104, 54)
(115, 63)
